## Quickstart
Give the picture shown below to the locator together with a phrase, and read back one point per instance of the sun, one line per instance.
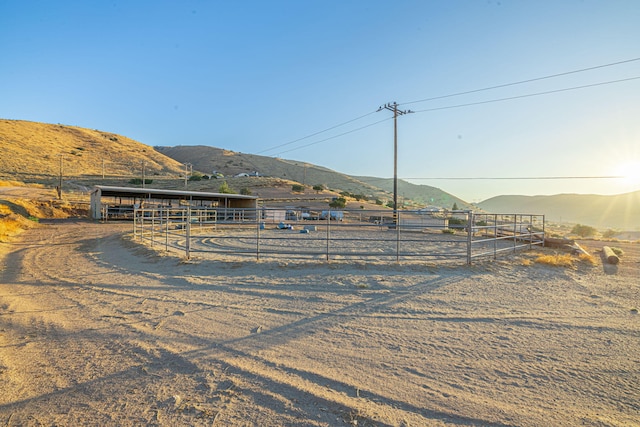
(629, 173)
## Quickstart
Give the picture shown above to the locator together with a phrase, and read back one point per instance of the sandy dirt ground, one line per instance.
(97, 330)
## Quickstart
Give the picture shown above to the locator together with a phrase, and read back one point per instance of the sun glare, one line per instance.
(630, 172)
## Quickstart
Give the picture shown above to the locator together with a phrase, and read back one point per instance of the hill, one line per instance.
(39, 153)
(618, 212)
(31, 149)
(422, 195)
(210, 160)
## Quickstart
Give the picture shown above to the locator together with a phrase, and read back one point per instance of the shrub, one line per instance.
(297, 188)
(245, 191)
(583, 230)
(338, 202)
(556, 260)
(318, 187)
(617, 251)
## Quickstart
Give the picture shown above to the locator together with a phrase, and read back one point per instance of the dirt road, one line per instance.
(95, 330)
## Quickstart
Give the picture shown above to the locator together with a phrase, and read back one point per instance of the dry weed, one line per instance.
(556, 260)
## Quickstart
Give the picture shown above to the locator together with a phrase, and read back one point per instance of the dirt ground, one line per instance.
(97, 330)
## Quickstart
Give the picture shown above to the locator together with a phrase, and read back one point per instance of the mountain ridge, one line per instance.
(40, 152)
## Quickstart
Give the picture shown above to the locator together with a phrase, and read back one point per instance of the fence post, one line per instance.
(141, 224)
(470, 222)
(515, 232)
(258, 225)
(166, 231)
(328, 231)
(188, 234)
(397, 223)
(153, 225)
(495, 236)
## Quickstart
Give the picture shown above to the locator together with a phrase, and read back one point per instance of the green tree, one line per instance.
(225, 189)
(455, 206)
(338, 203)
(297, 188)
(318, 188)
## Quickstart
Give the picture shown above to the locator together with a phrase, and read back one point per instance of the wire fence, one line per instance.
(270, 233)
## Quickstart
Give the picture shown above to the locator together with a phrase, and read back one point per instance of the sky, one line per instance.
(508, 97)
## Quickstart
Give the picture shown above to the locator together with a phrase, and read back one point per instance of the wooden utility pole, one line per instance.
(59, 189)
(394, 108)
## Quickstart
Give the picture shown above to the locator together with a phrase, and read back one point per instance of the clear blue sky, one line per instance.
(253, 76)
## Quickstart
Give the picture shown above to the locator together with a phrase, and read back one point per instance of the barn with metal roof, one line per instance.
(120, 202)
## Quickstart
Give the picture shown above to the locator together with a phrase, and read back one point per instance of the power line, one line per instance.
(528, 95)
(316, 133)
(522, 81)
(449, 107)
(521, 177)
(337, 136)
(459, 105)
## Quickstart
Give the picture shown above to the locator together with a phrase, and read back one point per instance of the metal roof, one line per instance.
(167, 194)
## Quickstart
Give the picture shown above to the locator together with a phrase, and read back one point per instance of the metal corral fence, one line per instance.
(337, 234)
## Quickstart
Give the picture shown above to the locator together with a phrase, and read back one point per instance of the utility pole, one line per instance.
(143, 174)
(186, 173)
(59, 188)
(394, 108)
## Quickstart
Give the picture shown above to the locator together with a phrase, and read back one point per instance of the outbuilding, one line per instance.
(119, 202)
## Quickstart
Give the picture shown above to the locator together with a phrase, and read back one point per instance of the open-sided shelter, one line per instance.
(119, 202)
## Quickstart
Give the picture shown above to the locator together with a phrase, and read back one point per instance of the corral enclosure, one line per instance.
(410, 236)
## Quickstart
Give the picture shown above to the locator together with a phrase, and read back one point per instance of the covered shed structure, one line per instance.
(119, 202)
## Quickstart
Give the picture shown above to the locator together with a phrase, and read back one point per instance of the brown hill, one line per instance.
(31, 149)
(211, 160)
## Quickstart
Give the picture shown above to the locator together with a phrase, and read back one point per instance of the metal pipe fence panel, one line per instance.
(413, 236)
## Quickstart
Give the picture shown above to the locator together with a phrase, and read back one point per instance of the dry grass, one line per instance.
(21, 212)
(556, 260)
(31, 148)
